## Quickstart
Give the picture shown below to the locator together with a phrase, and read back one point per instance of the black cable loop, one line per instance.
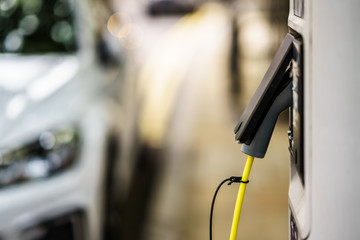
(231, 180)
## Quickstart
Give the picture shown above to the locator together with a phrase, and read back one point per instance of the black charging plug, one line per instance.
(273, 95)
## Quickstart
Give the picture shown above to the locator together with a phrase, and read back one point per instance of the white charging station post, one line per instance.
(324, 200)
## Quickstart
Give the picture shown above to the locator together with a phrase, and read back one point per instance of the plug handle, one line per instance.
(258, 146)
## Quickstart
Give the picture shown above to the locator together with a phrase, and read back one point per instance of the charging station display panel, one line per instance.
(269, 88)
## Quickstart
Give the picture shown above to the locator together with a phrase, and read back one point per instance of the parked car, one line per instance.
(58, 138)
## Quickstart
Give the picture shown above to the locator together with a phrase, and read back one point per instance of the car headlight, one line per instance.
(49, 154)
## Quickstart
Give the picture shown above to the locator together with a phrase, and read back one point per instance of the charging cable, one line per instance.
(240, 197)
(243, 181)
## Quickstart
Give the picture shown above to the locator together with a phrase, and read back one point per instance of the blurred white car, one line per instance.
(57, 136)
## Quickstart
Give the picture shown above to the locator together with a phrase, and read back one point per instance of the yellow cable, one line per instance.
(240, 198)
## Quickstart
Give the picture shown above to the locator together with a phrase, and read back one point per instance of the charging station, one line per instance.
(324, 198)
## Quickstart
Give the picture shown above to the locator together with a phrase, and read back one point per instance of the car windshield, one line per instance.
(37, 26)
